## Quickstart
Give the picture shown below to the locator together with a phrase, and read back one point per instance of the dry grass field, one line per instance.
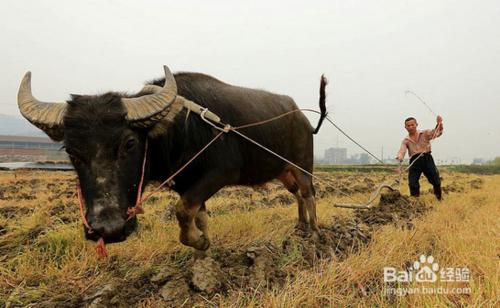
(257, 258)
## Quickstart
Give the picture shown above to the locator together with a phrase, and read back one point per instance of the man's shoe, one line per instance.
(438, 193)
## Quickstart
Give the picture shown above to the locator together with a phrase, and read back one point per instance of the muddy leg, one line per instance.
(306, 188)
(311, 210)
(190, 235)
(290, 184)
(201, 221)
(192, 202)
(302, 223)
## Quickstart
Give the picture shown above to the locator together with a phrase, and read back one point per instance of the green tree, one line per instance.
(495, 161)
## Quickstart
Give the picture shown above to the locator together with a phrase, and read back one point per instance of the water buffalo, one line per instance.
(105, 137)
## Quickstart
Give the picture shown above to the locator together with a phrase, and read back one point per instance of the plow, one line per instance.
(369, 204)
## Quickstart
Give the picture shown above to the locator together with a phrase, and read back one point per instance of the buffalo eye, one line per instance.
(130, 144)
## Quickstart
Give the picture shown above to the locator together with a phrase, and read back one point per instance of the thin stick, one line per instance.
(421, 100)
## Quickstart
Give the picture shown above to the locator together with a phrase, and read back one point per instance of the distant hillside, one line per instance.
(12, 125)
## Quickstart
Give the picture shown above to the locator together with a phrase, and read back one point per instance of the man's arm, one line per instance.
(402, 151)
(438, 130)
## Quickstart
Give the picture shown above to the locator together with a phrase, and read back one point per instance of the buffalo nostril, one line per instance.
(109, 230)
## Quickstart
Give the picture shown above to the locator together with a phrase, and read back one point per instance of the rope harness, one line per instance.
(214, 121)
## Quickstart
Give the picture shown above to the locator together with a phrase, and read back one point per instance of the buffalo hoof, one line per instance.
(302, 226)
(202, 243)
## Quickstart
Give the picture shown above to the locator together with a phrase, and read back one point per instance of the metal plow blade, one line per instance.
(372, 198)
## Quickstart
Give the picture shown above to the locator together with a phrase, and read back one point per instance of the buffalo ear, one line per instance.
(56, 135)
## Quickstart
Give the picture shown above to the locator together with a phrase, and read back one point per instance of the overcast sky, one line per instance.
(448, 52)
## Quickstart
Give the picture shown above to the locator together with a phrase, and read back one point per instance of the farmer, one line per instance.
(419, 148)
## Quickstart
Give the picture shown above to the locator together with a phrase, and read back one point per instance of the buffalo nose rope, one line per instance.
(131, 212)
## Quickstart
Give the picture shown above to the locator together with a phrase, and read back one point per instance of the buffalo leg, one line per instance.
(191, 212)
(190, 235)
(302, 224)
(201, 220)
(306, 188)
(290, 184)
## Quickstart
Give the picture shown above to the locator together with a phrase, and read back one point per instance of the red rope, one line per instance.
(80, 199)
(100, 248)
(268, 120)
(180, 169)
(137, 209)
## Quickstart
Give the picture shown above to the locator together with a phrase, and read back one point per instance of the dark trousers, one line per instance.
(425, 164)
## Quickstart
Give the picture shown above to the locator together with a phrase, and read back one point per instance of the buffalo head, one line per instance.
(105, 137)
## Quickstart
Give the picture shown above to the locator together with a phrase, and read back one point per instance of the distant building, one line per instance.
(364, 158)
(358, 159)
(22, 148)
(478, 161)
(335, 156)
(453, 160)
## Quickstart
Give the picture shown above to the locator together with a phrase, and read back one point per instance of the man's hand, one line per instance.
(439, 120)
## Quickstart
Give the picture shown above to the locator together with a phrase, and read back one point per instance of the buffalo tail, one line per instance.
(322, 102)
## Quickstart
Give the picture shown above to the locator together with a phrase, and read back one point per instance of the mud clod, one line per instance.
(102, 296)
(392, 208)
(164, 275)
(262, 271)
(338, 240)
(11, 211)
(477, 183)
(207, 276)
(453, 187)
(347, 235)
(175, 291)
